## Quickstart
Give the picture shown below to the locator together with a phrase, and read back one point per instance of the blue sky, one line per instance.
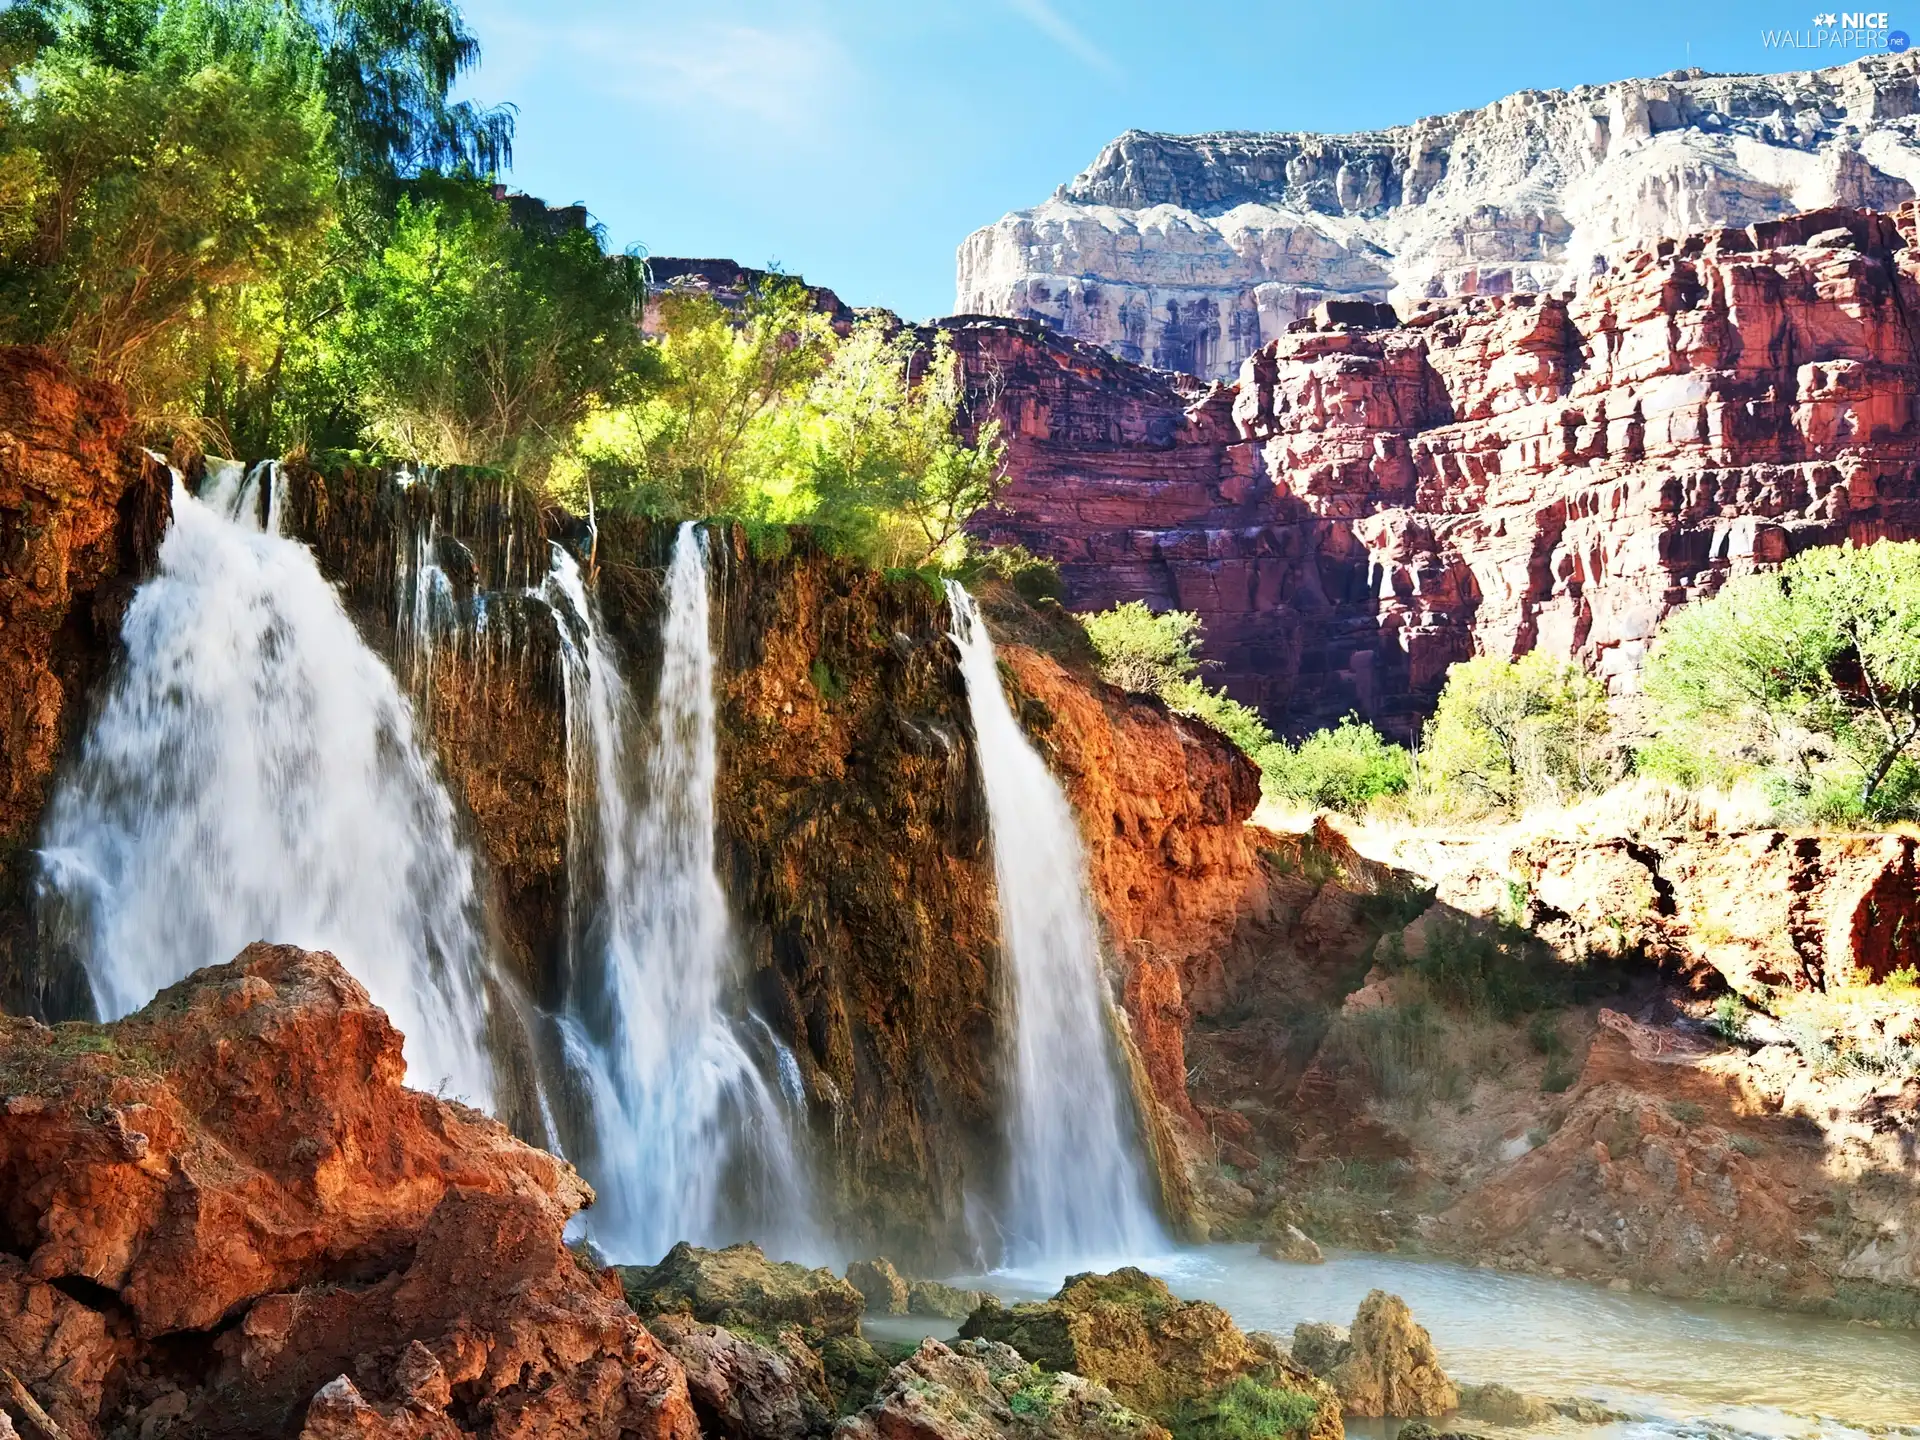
(857, 142)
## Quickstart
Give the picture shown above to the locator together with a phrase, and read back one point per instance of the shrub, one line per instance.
(1345, 768)
(1239, 723)
(1509, 733)
(1809, 674)
(1245, 1409)
(1143, 651)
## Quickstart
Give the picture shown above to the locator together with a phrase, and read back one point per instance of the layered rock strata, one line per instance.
(1190, 252)
(1375, 500)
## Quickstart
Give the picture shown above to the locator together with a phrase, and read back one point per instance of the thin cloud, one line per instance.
(1050, 22)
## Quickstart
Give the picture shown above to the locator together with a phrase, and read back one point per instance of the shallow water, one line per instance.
(1679, 1369)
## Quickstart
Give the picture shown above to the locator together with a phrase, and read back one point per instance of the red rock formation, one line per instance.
(240, 1160)
(81, 514)
(1495, 474)
(1163, 802)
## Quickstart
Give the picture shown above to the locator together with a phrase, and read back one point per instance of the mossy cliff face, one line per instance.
(81, 515)
(855, 847)
(853, 837)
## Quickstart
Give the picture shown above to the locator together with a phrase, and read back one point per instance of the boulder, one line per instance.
(931, 1298)
(740, 1288)
(492, 1306)
(1127, 1331)
(1390, 1367)
(1503, 1405)
(981, 1390)
(743, 1390)
(854, 1368)
(237, 1222)
(1320, 1347)
(1292, 1244)
(248, 1131)
(879, 1285)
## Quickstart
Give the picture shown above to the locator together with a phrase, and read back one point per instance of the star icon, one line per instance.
(1827, 19)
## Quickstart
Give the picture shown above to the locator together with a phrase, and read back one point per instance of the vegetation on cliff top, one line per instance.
(270, 222)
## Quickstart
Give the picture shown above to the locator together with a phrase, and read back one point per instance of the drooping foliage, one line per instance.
(1159, 654)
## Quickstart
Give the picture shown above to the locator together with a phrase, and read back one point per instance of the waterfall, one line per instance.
(255, 774)
(1077, 1189)
(686, 1140)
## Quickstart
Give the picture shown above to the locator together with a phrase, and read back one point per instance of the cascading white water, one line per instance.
(1078, 1188)
(686, 1136)
(255, 775)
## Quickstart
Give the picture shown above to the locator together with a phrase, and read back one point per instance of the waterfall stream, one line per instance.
(686, 1140)
(255, 774)
(1078, 1190)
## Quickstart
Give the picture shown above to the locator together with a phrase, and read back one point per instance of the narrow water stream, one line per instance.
(1679, 1369)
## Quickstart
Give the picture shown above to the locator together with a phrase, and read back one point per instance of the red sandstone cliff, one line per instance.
(1375, 500)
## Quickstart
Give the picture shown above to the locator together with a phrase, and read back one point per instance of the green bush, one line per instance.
(1142, 651)
(1510, 733)
(1346, 768)
(1245, 1409)
(1497, 970)
(1808, 676)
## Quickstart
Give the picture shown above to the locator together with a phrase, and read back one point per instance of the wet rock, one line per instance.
(879, 1285)
(1292, 1244)
(981, 1390)
(933, 1299)
(1159, 1354)
(1319, 1346)
(854, 1367)
(1127, 1331)
(740, 1288)
(1586, 1412)
(744, 1390)
(1503, 1405)
(1390, 1367)
(1421, 1430)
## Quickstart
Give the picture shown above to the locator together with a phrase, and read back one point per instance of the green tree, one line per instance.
(703, 438)
(1345, 768)
(1142, 650)
(137, 199)
(1508, 733)
(1801, 670)
(474, 340)
(1159, 654)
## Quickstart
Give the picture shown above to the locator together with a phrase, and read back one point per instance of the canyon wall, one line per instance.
(81, 515)
(1375, 499)
(1190, 252)
(852, 832)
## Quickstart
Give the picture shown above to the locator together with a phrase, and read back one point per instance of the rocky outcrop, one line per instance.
(744, 1390)
(1496, 474)
(82, 510)
(1189, 252)
(741, 1288)
(1388, 1366)
(880, 1285)
(232, 1218)
(980, 1390)
(1157, 1353)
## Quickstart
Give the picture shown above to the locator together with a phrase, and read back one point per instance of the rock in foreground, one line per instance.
(237, 1221)
(1389, 1367)
(981, 1390)
(740, 1288)
(1179, 1361)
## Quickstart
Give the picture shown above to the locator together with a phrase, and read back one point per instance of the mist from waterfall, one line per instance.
(255, 774)
(1077, 1189)
(686, 1140)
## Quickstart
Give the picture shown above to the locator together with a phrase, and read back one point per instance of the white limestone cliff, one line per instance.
(1189, 252)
